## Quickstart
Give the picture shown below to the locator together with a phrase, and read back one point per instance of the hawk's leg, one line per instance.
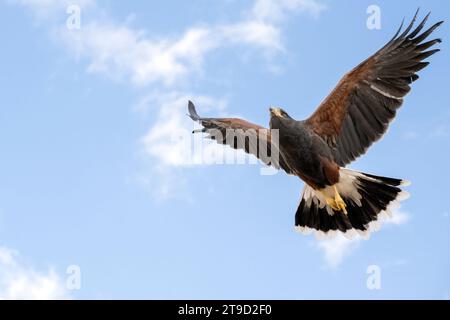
(332, 203)
(340, 204)
(336, 203)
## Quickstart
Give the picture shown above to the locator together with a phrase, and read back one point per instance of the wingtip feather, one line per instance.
(192, 112)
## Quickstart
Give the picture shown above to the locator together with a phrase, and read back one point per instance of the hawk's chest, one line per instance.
(291, 134)
(297, 145)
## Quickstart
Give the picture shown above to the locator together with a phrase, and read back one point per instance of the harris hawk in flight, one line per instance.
(354, 115)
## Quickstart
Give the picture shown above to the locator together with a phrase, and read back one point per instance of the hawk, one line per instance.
(354, 115)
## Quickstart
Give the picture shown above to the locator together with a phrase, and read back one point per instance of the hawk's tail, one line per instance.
(368, 199)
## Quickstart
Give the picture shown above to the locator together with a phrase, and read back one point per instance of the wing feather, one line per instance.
(358, 111)
(241, 135)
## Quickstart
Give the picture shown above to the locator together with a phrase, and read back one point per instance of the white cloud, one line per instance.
(129, 54)
(276, 10)
(398, 217)
(170, 138)
(252, 32)
(410, 135)
(120, 51)
(336, 249)
(18, 281)
(169, 144)
(164, 183)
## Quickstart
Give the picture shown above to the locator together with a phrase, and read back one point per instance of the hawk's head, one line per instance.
(279, 113)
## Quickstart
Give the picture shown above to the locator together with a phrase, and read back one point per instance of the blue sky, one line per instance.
(90, 174)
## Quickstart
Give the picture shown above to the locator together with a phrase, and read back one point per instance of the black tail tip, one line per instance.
(378, 197)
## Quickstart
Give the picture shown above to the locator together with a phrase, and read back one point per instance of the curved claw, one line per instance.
(340, 204)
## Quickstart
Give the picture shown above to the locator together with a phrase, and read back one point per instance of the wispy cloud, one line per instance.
(122, 52)
(335, 250)
(19, 281)
(276, 10)
(440, 131)
(118, 50)
(170, 145)
(435, 129)
(434, 132)
(170, 138)
(168, 62)
(398, 218)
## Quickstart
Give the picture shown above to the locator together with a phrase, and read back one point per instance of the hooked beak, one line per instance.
(275, 112)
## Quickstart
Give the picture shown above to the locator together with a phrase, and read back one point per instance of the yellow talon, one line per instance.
(339, 202)
(332, 203)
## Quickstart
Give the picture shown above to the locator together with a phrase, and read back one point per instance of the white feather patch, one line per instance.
(348, 188)
(384, 93)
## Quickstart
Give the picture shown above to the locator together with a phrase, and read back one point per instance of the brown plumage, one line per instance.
(353, 116)
(359, 110)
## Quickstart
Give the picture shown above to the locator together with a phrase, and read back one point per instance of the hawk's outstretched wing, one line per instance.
(359, 110)
(243, 135)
